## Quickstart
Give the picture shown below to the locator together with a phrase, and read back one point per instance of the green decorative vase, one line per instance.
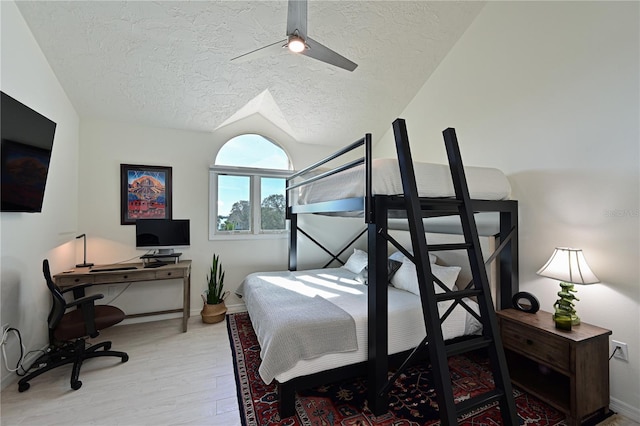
(564, 306)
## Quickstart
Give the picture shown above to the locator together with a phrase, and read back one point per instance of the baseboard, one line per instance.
(234, 309)
(625, 409)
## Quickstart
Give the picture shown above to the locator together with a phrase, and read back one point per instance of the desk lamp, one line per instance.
(84, 263)
(570, 267)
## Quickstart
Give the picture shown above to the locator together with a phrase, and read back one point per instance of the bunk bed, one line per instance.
(367, 188)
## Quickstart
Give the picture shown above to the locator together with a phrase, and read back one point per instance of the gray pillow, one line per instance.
(392, 268)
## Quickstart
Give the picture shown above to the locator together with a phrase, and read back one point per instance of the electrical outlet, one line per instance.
(621, 350)
(5, 327)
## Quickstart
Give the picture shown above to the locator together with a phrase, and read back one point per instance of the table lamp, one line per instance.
(84, 263)
(570, 267)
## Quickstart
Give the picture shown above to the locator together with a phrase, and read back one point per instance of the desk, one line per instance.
(171, 271)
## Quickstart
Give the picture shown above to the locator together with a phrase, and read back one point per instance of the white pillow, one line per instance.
(406, 278)
(357, 261)
(401, 257)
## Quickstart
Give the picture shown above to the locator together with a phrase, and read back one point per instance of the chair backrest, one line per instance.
(59, 304)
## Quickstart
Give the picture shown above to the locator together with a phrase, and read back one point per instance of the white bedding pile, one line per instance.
(432, 180)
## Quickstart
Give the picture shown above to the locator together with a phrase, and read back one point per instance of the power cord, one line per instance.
(23, 356)
(617, 348)
(4, 352)
(117, 295)
(132, 258)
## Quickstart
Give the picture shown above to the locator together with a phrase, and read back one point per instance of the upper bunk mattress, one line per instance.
(432, 180)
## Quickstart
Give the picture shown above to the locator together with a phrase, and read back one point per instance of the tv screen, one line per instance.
(163, 234)
(25, 152)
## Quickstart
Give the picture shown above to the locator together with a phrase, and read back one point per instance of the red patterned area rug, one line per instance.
(412, 401)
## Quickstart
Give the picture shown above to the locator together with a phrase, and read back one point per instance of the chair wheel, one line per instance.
(76, 385)
(125, 358)
(23, 387)
(107, 346)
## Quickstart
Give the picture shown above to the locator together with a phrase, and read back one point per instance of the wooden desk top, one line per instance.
(182, 269)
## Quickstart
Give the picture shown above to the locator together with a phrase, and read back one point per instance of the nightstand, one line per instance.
(568, 370)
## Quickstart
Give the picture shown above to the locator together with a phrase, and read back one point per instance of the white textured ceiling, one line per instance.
(167, 64)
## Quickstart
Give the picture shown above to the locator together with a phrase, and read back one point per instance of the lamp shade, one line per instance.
(568, 265)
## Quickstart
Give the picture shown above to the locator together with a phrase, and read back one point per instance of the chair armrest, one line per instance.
(85, 300)
(86, 305)
(76, 287)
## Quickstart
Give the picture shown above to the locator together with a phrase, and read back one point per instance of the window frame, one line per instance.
(254, 174)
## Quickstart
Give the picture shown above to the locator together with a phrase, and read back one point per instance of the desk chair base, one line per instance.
(70, 353)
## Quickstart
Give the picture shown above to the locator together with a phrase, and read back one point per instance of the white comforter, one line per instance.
(337, 285)
(433, 180)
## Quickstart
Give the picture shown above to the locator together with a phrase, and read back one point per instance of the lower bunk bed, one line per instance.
(355, 329)
(312, 325)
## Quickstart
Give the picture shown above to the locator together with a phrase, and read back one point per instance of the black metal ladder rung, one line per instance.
(450, 246)
(479, 401)
(468, 345)
(457, 295)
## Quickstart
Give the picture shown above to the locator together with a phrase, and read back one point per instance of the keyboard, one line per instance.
(155, 264)
(112, 268)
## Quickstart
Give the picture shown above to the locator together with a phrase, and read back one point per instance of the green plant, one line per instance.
(215, 281)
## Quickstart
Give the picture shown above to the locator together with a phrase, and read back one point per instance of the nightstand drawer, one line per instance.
(545, 348)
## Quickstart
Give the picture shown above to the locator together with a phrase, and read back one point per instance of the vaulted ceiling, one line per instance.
(167, 64)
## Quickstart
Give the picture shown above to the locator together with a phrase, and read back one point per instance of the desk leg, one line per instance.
(186, 302)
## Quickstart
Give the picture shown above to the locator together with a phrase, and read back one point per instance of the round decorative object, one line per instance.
(525, 302)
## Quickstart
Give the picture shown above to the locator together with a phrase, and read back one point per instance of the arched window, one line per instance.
(247, 184)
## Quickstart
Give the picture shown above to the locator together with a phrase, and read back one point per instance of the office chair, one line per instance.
(68, 331)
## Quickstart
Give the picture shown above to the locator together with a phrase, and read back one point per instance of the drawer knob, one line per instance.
(126, 276)
(529, 342)
(169, 273)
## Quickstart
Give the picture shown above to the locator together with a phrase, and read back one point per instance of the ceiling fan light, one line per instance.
(296, 44)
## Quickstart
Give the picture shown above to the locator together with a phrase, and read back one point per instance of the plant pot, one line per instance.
(212, 314)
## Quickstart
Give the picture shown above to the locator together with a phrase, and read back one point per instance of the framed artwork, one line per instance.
(145, 193)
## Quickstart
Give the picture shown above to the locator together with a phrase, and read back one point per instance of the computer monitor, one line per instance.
(163, 235)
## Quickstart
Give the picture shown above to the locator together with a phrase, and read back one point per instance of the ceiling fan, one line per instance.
(298, 42)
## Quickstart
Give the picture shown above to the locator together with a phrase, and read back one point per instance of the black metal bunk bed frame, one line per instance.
(376, 210)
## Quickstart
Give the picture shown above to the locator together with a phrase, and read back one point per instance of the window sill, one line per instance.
(238, 236)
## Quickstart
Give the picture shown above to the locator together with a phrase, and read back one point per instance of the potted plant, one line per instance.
(214, 308)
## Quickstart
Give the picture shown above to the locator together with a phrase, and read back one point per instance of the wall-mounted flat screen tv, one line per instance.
(25, 153)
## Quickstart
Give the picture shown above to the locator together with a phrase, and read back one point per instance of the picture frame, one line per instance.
(145, 193)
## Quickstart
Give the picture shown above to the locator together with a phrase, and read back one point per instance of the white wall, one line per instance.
(106, 145)
(28, 238)
(549, 93)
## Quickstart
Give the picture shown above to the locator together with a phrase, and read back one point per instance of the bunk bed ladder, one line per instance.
(438, 349)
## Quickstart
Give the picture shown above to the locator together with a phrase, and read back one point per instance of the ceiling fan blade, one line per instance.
(324, 54)
(297, 18)
(260, 52)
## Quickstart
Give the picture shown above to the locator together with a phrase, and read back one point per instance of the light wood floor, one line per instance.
(171, 378)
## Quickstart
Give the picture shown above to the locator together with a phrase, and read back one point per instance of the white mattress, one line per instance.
(432, 180)
(406, 324)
